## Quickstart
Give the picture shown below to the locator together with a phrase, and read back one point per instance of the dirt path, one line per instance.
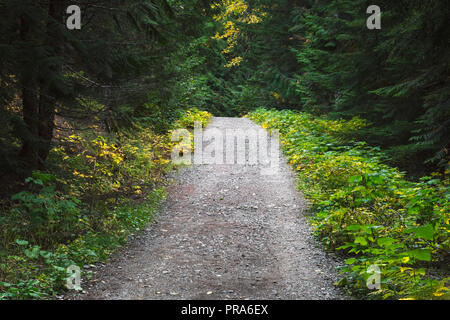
(225, 232)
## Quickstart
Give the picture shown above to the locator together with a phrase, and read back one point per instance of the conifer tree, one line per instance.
(52, 69)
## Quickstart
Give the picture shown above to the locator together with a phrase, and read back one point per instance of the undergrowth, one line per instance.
(98, 190)
(367, 210)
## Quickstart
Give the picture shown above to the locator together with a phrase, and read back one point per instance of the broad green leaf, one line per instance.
(375, 179)
(353, 227)
(425, 232)
(355, 179)
(385, 242)
(22, 242)
(420, 254)
(33, 253)
(361, 241)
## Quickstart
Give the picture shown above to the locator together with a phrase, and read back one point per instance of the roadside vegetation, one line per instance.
(98, 190)
(367, 210)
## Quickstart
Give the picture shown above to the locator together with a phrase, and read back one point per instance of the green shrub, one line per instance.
(366, 209)
(101, 189)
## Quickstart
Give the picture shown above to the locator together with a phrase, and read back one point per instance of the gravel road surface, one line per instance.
(226, 231)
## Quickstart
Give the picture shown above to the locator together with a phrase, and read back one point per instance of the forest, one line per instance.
(363, 115)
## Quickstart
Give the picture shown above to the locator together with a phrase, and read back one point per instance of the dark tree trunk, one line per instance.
(30, 103)
(46, 123)
(48, 92)
(40, 93)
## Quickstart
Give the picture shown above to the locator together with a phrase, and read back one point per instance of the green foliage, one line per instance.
(367, 209)
(43, 213)
(51, 71)
(320, 57)
(101, 190)
(36, 272)
(396, 77)
(188, 120)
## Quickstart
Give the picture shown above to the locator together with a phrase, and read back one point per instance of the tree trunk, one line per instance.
(39, 85)
(48, 92)
(29, 102)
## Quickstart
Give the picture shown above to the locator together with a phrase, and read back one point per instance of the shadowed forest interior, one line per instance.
(87, 116)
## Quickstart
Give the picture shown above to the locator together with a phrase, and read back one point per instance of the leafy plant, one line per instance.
(367, 210)
(102, 189)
